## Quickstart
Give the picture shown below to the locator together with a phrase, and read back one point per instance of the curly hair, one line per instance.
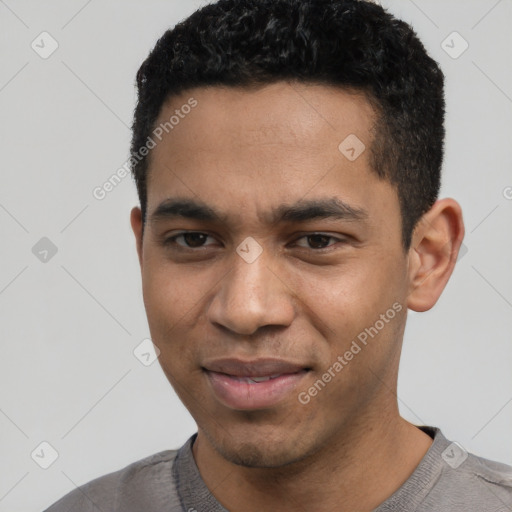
(352, 44)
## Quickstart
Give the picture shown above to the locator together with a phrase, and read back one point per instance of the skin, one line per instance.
(245, 152)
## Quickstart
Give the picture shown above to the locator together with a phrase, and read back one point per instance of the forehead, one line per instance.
(280, 113)
(255, 149)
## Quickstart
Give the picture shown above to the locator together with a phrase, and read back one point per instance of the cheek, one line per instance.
(170, 291)
(347, 302)
(172, 298)
(343, 298)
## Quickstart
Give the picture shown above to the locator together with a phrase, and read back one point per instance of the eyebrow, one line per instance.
(301, 211)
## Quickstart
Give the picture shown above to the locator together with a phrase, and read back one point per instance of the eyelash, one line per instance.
(171, 241)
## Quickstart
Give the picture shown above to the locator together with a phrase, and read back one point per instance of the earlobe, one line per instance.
(433, 253)
(136, 222)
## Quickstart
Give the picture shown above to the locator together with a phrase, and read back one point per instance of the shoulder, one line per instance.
(449, 478)
(137, 485)
(494, 476)
(476, 484)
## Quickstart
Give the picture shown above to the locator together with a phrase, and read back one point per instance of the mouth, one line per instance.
(254, 379)
(255, 384)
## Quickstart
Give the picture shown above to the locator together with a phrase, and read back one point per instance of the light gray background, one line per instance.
(69, 326)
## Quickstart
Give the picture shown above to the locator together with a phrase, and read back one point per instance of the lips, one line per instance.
(254, 384)
(255, 380)
(253, 368)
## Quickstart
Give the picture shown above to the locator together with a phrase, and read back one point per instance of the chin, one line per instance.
(258, 455)
(259, 451)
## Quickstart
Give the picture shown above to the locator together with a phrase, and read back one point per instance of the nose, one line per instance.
(250, 296)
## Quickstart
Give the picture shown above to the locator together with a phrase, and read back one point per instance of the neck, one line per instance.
(358, 470)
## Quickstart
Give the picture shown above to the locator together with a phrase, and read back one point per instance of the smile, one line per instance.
(251, 385)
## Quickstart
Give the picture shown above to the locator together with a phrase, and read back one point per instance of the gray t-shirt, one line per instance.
(447, 479)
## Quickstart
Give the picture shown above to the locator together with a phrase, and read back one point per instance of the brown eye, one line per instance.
(188, 240)
(194, 239)
(318, 241)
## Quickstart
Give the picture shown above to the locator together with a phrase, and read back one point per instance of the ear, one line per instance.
(136, 222)
(435, 245)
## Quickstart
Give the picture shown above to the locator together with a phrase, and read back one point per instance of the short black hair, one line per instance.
(352, 44)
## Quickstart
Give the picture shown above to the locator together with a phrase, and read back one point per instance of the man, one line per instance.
(287, 156)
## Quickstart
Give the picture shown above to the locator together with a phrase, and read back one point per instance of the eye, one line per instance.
(195, 240)
(191, 239)
(318, 241)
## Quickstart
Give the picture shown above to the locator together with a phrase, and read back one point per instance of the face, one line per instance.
(270, 250)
